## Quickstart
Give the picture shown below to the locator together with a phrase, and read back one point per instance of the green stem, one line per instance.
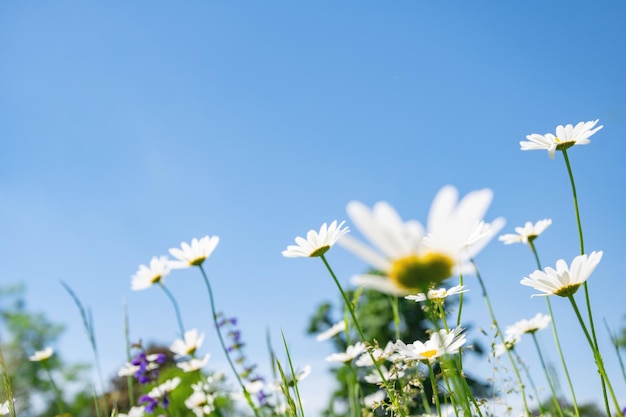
(501, 335)
(57, 393)
(598, 360)
(433, 383)
(555, 398)
(458, 317)
(556, 336)
(176, 309)
(221, 339)
(396, 315)
(348, 304)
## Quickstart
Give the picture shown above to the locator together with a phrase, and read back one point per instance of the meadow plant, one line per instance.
(409, 260)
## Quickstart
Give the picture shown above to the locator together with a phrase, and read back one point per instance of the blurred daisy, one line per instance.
(191, 341)
(566, 137)
(351, 352)
(563, 281)
(439, 344)
(4, 408)
(193, 254)
(42, 355)
(333, 331)
(164, 388)
(374, 377)
(527, 233)
(146, 276)
(128, 369)
(316, 244)
(411, 260)
(134, 412)
(438, 294)
(289, 379)
(516, 330)
(378, 354)
(194, 364)
(376, 398)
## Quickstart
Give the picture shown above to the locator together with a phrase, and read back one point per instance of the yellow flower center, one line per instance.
(567, 290)
(197, 261)
(155, 279)
(564, 145)
(421, 273)
(319, 251)
(429, 353)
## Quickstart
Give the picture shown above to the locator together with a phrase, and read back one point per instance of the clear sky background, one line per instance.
(128, 127)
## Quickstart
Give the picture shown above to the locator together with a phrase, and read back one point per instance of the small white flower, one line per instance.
(370, 400)
(289, 378)
(192, 341)
(351, 352)
(4, 408)
(438, 294)
(42, 355)
(165, 387)
(334, 330)
(146, 276)
(378, 354)
(374, 376)
(200, 403)
(316, 244)
(516, 330)
(527, 233)
(128, 369)
(564, 281)
(566, 137)
(439, 344)
(134, 412)
(194, 254)
(194, 364)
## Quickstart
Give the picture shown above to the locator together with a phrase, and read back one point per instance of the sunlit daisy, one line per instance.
(526, 233)
(164, 388)
(378, 354)
(4, 408)
(316, 244)
(516, 330)
(438, 294)
(412, 260)
(334, 330)
(566, 137)
(146, 276)
(374, 377)
(351, 352)
(41, 355)
(194, 364)
(376, 398)
(193, 254)
(192, 340)
(564, 281)
(439, 344)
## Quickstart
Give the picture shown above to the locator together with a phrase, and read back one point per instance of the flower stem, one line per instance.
(350, 307)
(433, 383)
(57, 393)
(176, 309)
(556, 336)
(221, 339)
(555, 398)
(501, 335)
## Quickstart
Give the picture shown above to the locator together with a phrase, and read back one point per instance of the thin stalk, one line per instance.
(57, 393)
(433, 383)
(129, 378)
(396, 315)
(598, 360)
(556, 335)
(458, 317)
(390, 392)
(615, 343)
(501, 335)
(221, 339)
(176, 310)
(8, 392)
(555, 398)
(542, 411)
(293, 373)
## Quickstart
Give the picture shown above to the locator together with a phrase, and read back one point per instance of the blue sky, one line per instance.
(128, 127)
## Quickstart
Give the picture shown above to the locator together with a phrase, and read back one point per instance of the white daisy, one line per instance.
(527, 233)
(134, 412)
(564, 281)
(4, 408)
(438, 294)
(566, 137)
(128, 369)
(146, 276)
(374, 376)
(165, 387)
(41, 355)
(516, 330)
(194, 254)
(378, 354)
(376, 398)
(316, 244)
(410, 259)
(192, 340)
(439, 344)
(334, 330)
(194, 364)
(351, 352)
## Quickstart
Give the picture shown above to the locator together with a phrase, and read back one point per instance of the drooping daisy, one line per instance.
(191, 341)
(440, 343)
(316, 244)
(41, 355)
(411, 260)
(352, 351)
(334, 330)
(146, 276)
(194, 254)
(438, 294)
(566, 137)
(563, 281)
(519, 328)
(194, 364)
(527, 233)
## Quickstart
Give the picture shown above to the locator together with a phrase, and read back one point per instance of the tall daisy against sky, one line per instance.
(527, 233)
(566, 137)
(413, 260)
(316, 243)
